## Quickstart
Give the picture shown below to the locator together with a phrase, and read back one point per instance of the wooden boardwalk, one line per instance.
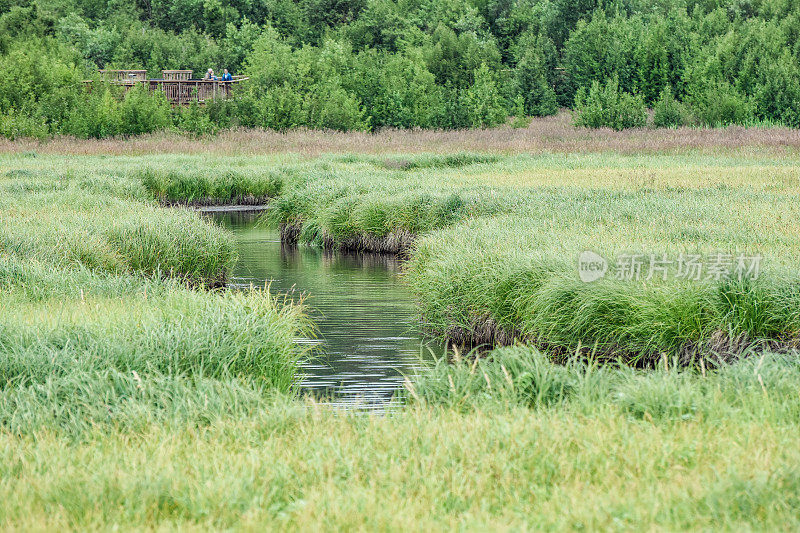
(177, 85)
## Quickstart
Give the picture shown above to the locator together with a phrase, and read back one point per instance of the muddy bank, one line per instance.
(481, 332)
(290, 233)
(484, 333)
(398, 242)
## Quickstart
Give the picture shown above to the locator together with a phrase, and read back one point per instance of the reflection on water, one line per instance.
(364, 314)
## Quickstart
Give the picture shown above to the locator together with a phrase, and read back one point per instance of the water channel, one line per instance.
(366, 339)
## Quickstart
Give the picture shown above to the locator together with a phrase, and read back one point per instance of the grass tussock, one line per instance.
(754, 389)
(211, 187)
(104, 322)
(83, 220)
(476, 284)
(85, 340)
(457, 160)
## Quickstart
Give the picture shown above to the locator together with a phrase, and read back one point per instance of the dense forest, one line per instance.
(369, 64)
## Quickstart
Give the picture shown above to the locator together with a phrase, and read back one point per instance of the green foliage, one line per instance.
(532, 79)
(599, 50)
(368, 64)
(523, 376)
(331, 107)
(660, 54)
(668, 112)
(397, 90)
(15, 125)
(214, 188)
(454, 58)
(104, 112)
(483, 101)
(96, 115)
(720, 104)
(777, 96)
(41, 70)
(609, 107)
(195, 119)
(143, 111)
(521, 119)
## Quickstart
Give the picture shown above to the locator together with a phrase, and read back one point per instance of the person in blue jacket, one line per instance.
(226, 76)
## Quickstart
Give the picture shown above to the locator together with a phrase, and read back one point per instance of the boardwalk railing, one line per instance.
(176, 74)
(188, 91)
(178, 89)
(123, 76)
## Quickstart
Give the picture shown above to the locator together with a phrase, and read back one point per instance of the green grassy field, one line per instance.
(132, 393)
(620, 451)
(494, 239)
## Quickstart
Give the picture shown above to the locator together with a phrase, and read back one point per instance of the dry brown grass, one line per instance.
(550, 134)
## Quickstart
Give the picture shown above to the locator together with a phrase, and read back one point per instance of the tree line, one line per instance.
(369, 64)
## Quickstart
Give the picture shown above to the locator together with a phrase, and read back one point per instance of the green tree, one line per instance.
(599, 49)
(607, 106)
(532, 78)
(484, 104)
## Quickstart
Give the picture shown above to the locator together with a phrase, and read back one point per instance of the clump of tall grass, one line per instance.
(515, 376)
(457, 160)
(170, 330)
(211, 186)
(81, 402)
(757, 388)
(73, 226)
(76, 345)
(517, 274)
(638, 323)
(342, 218)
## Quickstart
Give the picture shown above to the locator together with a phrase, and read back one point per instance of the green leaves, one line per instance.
(607, 106)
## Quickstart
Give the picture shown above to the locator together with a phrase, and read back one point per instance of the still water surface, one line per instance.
(367, 338)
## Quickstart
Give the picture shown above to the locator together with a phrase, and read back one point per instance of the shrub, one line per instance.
(453, 113)
(280, 108)
(331, 107)
(14, 125)
(777, 97)
(96, 115)
(143, 111)
(721, 104)
(599, 49)
(607, 106)
(521, 119)
(531, 76)
(483, 100)
(669, 113)
(195, 120)
(396, 90)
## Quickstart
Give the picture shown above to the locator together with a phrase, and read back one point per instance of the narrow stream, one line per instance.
(366, 341)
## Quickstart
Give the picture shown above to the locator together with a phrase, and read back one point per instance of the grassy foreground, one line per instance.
(132, 396)
(622, 451)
